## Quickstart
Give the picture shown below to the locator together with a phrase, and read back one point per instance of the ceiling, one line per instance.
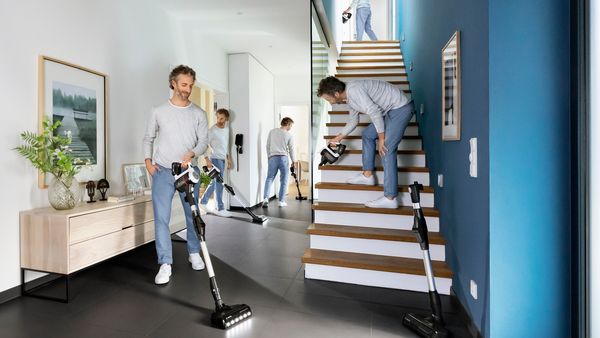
(275, 32)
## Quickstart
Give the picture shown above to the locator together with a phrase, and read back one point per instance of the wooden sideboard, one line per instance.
(65, 241)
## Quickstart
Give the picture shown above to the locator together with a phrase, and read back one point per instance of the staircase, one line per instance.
(349, 242)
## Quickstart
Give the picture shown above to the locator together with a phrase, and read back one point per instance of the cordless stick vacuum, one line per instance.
(299, 197)
(214, 172)
(425, 326)
(330, 154)
(225, 316)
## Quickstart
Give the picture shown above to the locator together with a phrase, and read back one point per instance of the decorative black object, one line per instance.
(103, 188)
(90, 186)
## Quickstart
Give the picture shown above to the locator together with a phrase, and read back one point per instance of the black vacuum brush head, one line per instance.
(230, 315)
(424, 326)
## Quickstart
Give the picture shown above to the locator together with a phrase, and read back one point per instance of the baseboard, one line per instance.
(471, 327)
(15, 292)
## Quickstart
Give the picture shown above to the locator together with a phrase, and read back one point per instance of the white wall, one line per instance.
(251, 99)
(129, 41)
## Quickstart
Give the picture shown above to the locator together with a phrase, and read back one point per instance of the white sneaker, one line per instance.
(282, 204)
(361, 179)
(163, 275)
(265, 203)
(383, 202)
(196, 260)
(222, 213)
(203, 209)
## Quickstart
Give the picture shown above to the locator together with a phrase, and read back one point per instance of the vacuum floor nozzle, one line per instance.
(230, 315)
(259, 219)
(424, 326)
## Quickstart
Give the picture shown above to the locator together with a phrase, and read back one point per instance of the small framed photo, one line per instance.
(137, 178)
(451, 107)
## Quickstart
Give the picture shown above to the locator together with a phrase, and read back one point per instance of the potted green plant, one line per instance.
(51, 154)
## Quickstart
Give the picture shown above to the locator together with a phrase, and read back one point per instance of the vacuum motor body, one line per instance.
(330, 155)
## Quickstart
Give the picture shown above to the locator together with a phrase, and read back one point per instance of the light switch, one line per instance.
(422, 109)
(440, 180)
(473, 157)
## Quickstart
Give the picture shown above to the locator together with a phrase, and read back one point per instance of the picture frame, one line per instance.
(136, 178)
(451, 89)
(76, 96)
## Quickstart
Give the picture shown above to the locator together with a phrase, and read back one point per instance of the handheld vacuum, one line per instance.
(225, 316)
(293, 172)
(215, 173)
(330, 154)
(425, 326)
(346, 17)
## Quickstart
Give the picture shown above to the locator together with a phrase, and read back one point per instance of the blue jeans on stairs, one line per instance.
(396, 121)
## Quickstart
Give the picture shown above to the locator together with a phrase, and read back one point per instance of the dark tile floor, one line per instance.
(255, 264)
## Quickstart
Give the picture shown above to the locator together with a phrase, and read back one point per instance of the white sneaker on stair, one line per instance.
(196, 260)
(383, 202)
(361, 179)
(163, 275)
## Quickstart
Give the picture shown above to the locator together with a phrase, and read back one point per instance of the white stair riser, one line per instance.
(376, 247)
(375, 278)
(343, 118)
(410, 130)
(366, 50)
(373, 220)
(403, 160)
(382, 77)
(370, 57)
(404, 178)
(359, 70)
(374, 44)
(406, 144)
(399, 63)
(361, 196)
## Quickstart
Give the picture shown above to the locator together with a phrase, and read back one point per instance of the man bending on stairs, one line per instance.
(390, 111)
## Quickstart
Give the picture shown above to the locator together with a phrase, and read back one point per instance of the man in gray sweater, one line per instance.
(177, 131)
(280, 143)
(390, 111)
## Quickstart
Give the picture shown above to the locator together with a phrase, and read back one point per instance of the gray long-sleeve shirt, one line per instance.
(218, 140)
(172, 131)
(281, 142)
(372, 97)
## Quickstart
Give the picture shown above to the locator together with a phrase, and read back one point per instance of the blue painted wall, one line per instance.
(529, 168)
(463, 201)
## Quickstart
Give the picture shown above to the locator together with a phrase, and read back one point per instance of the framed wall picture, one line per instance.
(451, 109)
(76, 96)
(137, 179)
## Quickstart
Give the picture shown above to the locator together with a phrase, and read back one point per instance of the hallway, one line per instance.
(257, 265)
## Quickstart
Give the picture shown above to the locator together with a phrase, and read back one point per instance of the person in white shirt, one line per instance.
(363, 18)
(280, 144)
(218, 140)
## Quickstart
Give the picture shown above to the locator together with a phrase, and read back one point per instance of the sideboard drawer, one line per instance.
(98, 249)
(104, 222)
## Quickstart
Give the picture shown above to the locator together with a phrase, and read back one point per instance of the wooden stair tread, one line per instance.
(395, 235)
(359, 137)
(360, 124)
(359, 168)
(370, 67)
(360, 187)
(374, 262)
(400, 152)
(371, 54)
(369, 47)
(401, 59)
(375, 75)
(352, 42)
(355, 207)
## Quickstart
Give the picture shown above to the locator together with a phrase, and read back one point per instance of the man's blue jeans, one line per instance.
(163, 189)
(215, 186)
(395, 121)
(279, 163)
(363, 23)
